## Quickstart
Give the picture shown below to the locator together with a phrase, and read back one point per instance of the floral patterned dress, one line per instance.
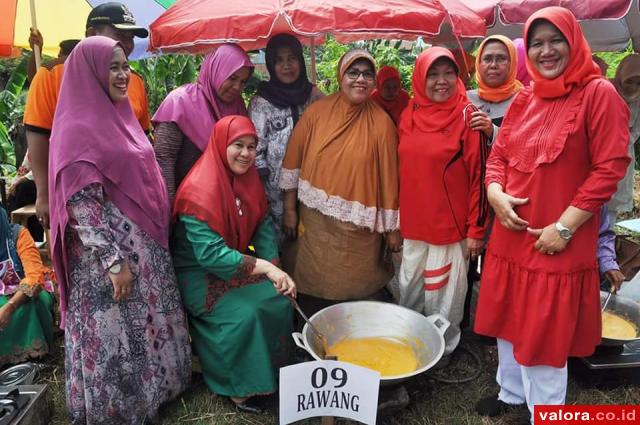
(123, 359)
(274, 127)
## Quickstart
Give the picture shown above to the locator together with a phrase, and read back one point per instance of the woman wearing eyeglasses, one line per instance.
(497, 64)
(442, 197)
(340, 177)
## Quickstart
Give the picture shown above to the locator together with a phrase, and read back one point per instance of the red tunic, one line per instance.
(548, 307)
(441, 196)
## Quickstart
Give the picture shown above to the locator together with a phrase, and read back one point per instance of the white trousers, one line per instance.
(530, 384)
(433, 279)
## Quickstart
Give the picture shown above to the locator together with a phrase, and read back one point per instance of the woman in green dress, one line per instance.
(239, 320)
(26, 300)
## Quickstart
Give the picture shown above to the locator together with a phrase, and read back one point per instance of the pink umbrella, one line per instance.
(197, 25)
(607, 24)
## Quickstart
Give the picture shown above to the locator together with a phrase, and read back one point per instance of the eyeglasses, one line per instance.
(498, 59)
(353, 74)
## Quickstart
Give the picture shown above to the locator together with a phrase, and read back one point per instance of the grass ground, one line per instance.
(432, 402)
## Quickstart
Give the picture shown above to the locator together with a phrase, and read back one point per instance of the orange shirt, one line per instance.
(43, 95)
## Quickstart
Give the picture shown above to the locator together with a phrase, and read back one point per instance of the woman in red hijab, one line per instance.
(561, 151)
(238, 319)
(389, 92)
(442, 199)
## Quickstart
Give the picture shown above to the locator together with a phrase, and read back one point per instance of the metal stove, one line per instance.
(608, 366)
(24, 405)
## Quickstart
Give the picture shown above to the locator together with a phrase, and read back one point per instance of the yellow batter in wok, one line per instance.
(384, 355)
(617, 327)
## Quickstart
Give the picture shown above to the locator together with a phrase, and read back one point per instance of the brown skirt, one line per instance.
(335, 260)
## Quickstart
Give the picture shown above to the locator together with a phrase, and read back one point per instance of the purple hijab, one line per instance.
(195, 107)
(522, 74)
(95, 140)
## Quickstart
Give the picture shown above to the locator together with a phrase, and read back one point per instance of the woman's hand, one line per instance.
(549, 241)
(14, 185)
(42, 210)
(122, 282)
(394, 241)
(290, 223)
(6, 311)
(35, 39)
(474, 247)
(282, 282)
(615, 277)
(503, 205)
(480, 121)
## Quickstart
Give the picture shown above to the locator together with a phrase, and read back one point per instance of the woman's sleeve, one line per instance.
(264, 241)
(168, 140)
(388, 218)
(259, 116)
(212, 252)
(496, 168)
(31, 263)
(474, 154)
(607, 123)
(88, 217)
(606, 252)
(295, 151)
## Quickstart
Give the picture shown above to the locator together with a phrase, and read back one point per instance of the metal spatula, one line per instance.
(606, 301)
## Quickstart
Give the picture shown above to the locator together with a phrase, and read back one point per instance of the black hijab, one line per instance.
(277, 93)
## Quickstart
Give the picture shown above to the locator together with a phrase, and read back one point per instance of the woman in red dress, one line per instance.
(560, 153)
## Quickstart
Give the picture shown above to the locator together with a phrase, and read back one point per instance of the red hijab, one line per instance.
(581, 68)
(541, 118)
(425, 114)
(393, 107)
(232, 205)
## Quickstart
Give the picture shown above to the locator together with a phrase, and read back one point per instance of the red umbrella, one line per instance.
(197, 25)
(608, 25)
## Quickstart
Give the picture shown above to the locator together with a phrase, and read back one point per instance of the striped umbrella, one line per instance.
(59, 20)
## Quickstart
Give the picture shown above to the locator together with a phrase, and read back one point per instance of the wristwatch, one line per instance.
(115, 268)
(565, 232)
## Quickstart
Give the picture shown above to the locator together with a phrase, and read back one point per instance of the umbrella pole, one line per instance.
(36, 49)
(313, 59)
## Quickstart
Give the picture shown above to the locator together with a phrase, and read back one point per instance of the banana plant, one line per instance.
(12, 100)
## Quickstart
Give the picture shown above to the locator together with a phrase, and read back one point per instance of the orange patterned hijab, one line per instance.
(511, 86)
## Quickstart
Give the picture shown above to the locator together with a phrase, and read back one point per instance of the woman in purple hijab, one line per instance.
(126, 342)
(185, 119)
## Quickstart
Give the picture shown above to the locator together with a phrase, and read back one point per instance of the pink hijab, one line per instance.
(195, 107)
(95, 140)
(521, 50)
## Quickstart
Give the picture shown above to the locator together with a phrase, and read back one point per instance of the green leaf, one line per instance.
(18, 77)
(7, 153)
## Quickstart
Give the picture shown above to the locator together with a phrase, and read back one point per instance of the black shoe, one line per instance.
(247, 407)
(491, 406)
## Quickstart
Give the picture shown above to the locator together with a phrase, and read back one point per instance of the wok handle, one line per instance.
(297, 338)
(440, 322)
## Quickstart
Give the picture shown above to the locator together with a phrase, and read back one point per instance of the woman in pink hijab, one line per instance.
(185, 119)
(522, 74)
(126, 342)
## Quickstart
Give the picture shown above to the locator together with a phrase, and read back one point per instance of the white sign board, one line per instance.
(328, 388)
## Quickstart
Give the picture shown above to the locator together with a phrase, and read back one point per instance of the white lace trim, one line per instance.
(289, 179)
(372, 218)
